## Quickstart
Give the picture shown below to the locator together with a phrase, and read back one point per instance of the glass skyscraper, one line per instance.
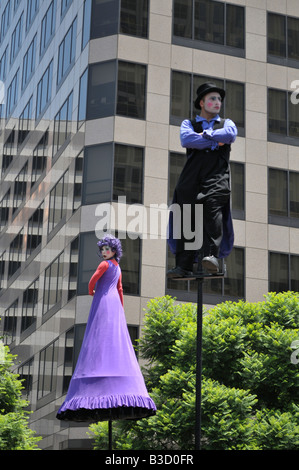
(92, 94)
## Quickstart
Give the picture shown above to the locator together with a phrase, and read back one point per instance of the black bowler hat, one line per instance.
(206, 88)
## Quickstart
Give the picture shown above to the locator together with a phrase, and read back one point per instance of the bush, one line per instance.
(14, 431)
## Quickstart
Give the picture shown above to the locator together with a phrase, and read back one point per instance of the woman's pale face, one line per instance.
(107, 252)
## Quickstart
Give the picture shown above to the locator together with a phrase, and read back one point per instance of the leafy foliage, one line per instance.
(14, 431)
(249, 385)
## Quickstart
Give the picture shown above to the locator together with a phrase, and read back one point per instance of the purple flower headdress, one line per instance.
(114, 244)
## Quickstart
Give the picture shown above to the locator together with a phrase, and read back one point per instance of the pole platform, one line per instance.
(202, 275)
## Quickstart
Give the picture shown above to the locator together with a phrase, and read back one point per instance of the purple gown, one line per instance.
(107, 383)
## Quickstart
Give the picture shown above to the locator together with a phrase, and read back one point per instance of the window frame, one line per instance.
(112, 193)
(67, 55)
(280, 137)
(109, 92)
(288, 257)
(284, 220)
(48, 306)
(205, 45)
(44, 83)
(281, 60)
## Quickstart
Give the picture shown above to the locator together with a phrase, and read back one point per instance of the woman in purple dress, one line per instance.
(107, 383)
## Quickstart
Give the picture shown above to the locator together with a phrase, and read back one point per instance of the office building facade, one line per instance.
(92, 96)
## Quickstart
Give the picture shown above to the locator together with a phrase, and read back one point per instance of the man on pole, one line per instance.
(205, 179)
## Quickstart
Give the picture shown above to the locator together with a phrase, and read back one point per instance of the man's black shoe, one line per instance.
(178, 272)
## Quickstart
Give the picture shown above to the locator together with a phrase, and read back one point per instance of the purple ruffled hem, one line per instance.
(106, 407)
(112, 401)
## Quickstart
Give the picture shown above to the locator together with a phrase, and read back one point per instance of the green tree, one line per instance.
(14, 431)
(249, 386)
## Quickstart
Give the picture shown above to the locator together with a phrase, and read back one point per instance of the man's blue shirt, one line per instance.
(209, 137)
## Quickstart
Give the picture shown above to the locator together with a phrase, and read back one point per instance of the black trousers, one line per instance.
(212, 232)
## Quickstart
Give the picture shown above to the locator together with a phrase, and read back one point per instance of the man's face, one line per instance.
(211, 103)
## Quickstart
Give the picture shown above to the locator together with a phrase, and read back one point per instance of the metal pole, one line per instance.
(110, 434)
(198, 365)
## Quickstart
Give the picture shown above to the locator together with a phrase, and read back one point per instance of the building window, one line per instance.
(73, 268)
(47, 371)
(68, 359)
(47, 27)
(73, 341)
(86, 22)
(132, 19)
(183, 95)
(130, 262)
(16, 4)
(63, 123)
(39, 161)
(65, 4)
(26, 377)
(44, 89)
(16, 39)
(128, 173)
(53, 284)
(121, 173)
(3, 65)
(5, 20)
(82, 98)
(10, 323)
(176, 165)
(58, 201)
(35, 229)
(9, 151)
(283, 197)
(29, 63)
(24, 122)
(210, 25)
(134, 335)
(67, 52)
(4, 210)
(104, 18)
(78, 181)
(32, 9)
(238, 190)
(101, 90)
(283, 272)
(2, 270)
(124, 96)
(20, 188)
(29, 308)
(131, 90)
(283, 40)
(12, 94)
(15, 254)
(283, 117)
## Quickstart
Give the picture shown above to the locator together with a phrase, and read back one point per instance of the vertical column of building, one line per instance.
(256, 227)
